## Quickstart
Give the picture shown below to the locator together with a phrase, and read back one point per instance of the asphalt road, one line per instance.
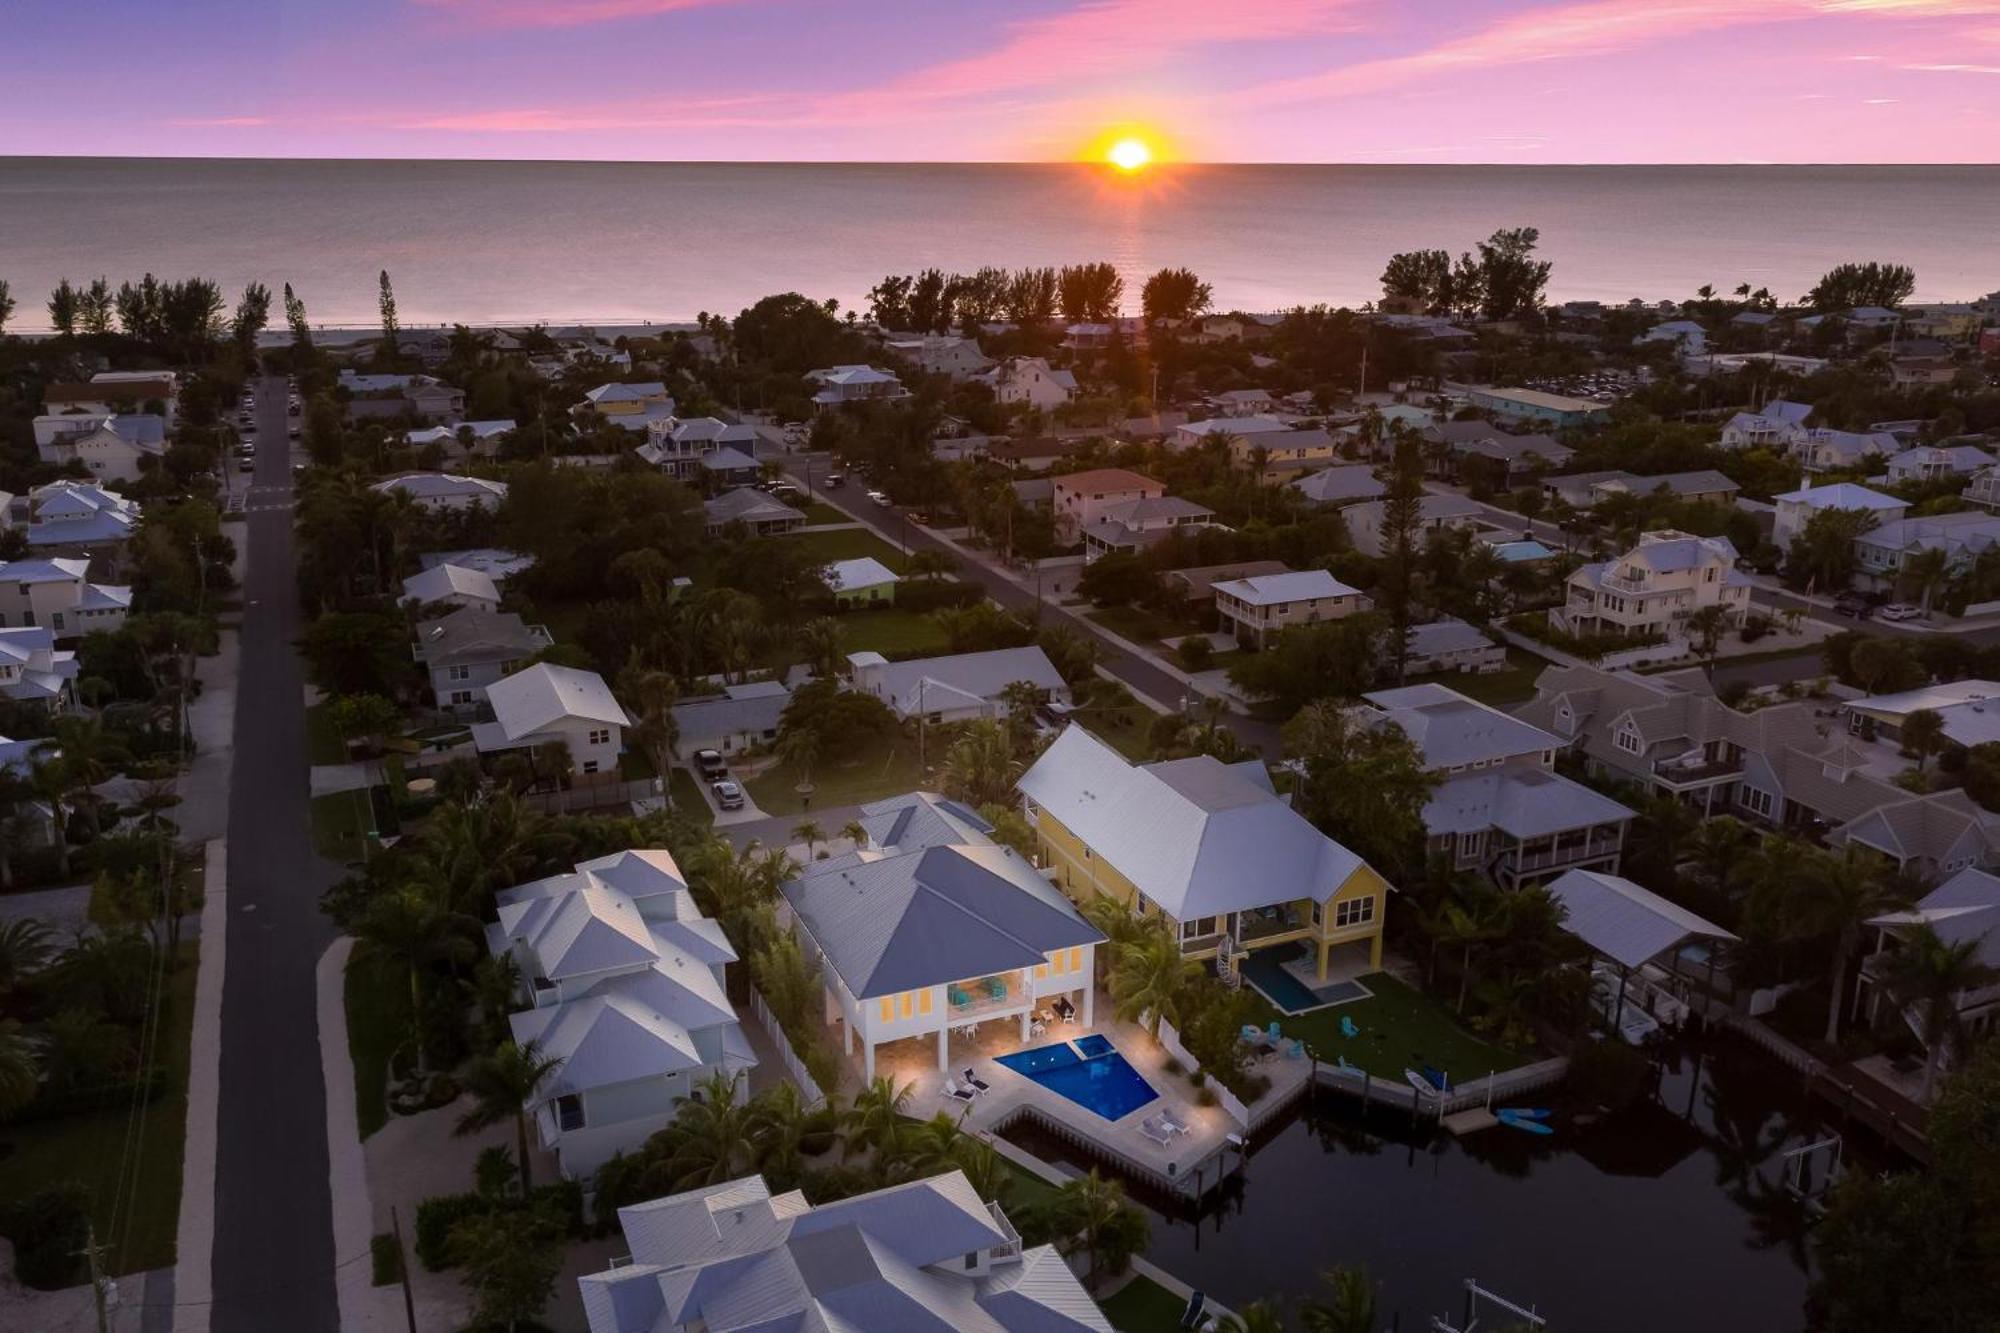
(274, 1256)
(1129, 668)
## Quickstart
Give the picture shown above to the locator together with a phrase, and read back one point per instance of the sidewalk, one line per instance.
(194, 1236)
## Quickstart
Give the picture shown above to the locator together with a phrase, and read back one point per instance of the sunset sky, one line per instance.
(927, 80)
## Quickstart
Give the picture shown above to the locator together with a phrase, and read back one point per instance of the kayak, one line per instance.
(1527, 1126)
(1526, 1112)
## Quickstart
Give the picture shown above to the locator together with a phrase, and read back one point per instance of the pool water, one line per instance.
(1089, 1072)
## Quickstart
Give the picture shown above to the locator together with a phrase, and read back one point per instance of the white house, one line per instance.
(955, 688)
(740, 717)
(470, 649)
(73, 515)
(59, 595)
(33, 669)
(624, 977)
(1452, 645)
(1778, 425)
(1965, 908)
(940, 354)
(1257, 608)
(1881, 553)
(853, 384)
(1435, 513)
(1344, 485)
(1655, 587)
(1080, 499)
(680, 448)
(1193, 434)
(546, 703)
(112, 447)
(1796, 508)
(1939, 462)
(1133, 525)
(463, 441)
(1031, 380)
(922, 1257)
(438, 490)
(930, 924)
(453, 585)
(1843, 450)
(1688, 337)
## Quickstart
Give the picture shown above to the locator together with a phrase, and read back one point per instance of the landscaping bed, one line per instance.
(377, 1000)
(1143, 1306)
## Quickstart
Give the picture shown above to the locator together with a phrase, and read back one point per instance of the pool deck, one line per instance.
(1013, 1095)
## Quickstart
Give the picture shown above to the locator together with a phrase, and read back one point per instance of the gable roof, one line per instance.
(1450, 729)
(1291, 586)
(1197, 836)
(1624, 922)
(748, 506)
(1841, 495)
(475, 634)
(854, 575)
(542, 695)
(443, 582)
(1335, 484)
(1106, 480)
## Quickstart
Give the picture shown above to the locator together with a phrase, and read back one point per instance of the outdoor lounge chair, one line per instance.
(1197, 1306)
(1171, 1122)
(1157, 1132)
(976, 1083)
(1347, 1028)
(957, 998)
(996, 988)
(1253, 1035)
(958, 1093)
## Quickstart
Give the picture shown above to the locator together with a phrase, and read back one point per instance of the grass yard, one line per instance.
(1024, 1189)
(1401, 1028)
(323, 743)
(377, 998)
(819, 511)
(888, 768)
(1123, 723)
(686, 796)
(1143, 1306)
(848, 544)
(90, 1147)
(892, 632)
(1501, 689)
(1140, 624)
(341, 822)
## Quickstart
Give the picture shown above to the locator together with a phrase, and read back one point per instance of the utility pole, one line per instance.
(403, 1270)
(101, 1286)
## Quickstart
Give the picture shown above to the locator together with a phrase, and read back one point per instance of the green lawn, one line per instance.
(323, 743)
(377, 998)
(340, 823)
(686, 796)
(888, 768)
(1502, 689)
(891, 632)
(1139, 624)
(90, 1147)
(1144, 1306)
(1123, 723)
(819, 511)
(1401, 1028)
(848, 544)
(1025, 1189)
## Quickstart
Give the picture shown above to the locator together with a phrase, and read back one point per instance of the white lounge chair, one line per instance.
(1156, 1132)
(961, 1094)
(1173, 1123)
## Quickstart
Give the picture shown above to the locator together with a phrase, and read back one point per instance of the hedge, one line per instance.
(437, 1215)
(94, 1097)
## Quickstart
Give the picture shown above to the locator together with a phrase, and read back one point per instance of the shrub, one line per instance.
(1195, 653)
(436, 1216)
(49, 1230)
(1754, 628)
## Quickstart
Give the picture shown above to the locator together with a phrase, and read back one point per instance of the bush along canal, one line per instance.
(1671, 1212)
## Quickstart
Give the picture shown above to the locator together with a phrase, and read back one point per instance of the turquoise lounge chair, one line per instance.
(1272, 1035)
(957, 998)
(1347, 1028)
(996, 988)
(1252, 1033)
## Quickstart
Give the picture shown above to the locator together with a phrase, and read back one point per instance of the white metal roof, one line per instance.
(441, 583)
(544, 694)
(854, 575)
(1624, 922)
(1297, 585)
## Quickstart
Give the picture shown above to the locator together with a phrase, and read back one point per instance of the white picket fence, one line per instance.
(761, 1011)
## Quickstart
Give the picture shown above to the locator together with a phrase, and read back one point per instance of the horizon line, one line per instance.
(1166, 165)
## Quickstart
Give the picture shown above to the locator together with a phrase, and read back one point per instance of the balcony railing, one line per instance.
(1202, 943)
(967, 999)
(1521, 861)
(1249, 929)
(1675, 773)
(1011, 1247)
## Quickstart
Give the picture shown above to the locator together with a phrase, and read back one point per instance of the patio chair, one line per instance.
(996, 988)
(1272, 1035)
(1253, 1035)
(1038, 1029)
(1156, 1132)
(1347, 1028)
(956, 1092)
(958, 999)
(1197, 1306)
(1173, 1124)
(976, 1083)
(1347, 1066)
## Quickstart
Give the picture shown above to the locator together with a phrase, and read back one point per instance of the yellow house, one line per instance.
(1208, 846)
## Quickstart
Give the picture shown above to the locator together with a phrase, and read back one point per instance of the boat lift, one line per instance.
(1806, 1179)
(1474, 1294)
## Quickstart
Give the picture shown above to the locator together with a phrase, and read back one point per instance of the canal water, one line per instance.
(1670, 1215)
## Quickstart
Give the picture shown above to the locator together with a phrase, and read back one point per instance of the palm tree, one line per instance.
(1150, 976)
(820, 644)
(874, 1120)
(783, 1130)
(928, 1148)
(1719, 847)
(799, 747)
(1706, 627)
(810, 833)
(651, 696)
(51, 781)
(1930, 974)
(412, 928)
(853, 831)
(711, 1136)
(1467, 925)
(1093, 1209)
(503, 1084)
(20, 1069)
(1256, 1317)
(980, 767)
(24, 951)
(1350, 1309)
(1926, 570)
(1834, 896)
(929, 565)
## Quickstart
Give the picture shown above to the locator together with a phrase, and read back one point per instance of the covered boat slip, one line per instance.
(1630, 928)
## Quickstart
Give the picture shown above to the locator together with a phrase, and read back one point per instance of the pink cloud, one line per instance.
(203, 122)
(719, 111)
(557, 13)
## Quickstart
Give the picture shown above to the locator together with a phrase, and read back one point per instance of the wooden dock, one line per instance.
(1462, 1123)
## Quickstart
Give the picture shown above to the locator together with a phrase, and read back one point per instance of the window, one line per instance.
(601, 736)
(888, 1009)
(590, 765)
(924, 1001)
(1076, 959)
(972, 1259)
(1354, 912)
(1318, 913)
(58, 620)
(569, 1112)
(909, 1004)
(461, 696)
(1628, 741)
(1056, 962)
(1756, 801)
(1041, 971)
(458, 673)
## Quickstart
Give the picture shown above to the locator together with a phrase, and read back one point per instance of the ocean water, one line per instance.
(490, 242)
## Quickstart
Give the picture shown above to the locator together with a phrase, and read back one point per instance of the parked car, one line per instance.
(246, 464)
(1849, 604)
(833, 481)
(879, 497)
(783, 490)
(709, 764)
(292, 432)
(1899, 611)
(727, 794)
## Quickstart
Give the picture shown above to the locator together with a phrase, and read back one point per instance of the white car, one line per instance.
(727, 794)
(1899, 611)
(879, 497)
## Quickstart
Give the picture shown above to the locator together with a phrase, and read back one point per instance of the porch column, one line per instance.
(1375, 948)
(944, 1049)
(1325, 948)
(1027, 1017)
(868, 1062)
(1089, 1005)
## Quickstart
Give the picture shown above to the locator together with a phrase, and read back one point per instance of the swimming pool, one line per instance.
(1089, 1072)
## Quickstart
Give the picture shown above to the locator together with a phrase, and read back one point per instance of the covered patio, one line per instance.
(1631, 930)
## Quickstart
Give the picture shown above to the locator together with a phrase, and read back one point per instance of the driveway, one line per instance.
(274, 1256)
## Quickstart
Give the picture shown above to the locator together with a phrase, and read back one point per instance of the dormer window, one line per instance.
(1628, 741)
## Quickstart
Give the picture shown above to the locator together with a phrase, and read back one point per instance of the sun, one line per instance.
(1129, 155)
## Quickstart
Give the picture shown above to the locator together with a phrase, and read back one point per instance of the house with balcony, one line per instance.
(1208, 847)
(840, 385)
(115, 392)
(1435, 513)
(686, 449)
(634, 407)
(113, 448)
(1844, 450)
(1500, 809)
(1081, 499)
(1796, 508)
(73, 517)
(58, 595)
(1654, 588)
(545, 703)
(1939, 462)
(34, 671)
(1963, 909)
(624, 979)
(948, 354)
(929, 925)
(470, 649)
(1132, 526)
(921, 1257)
(1258, 608)
(1882, 553)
